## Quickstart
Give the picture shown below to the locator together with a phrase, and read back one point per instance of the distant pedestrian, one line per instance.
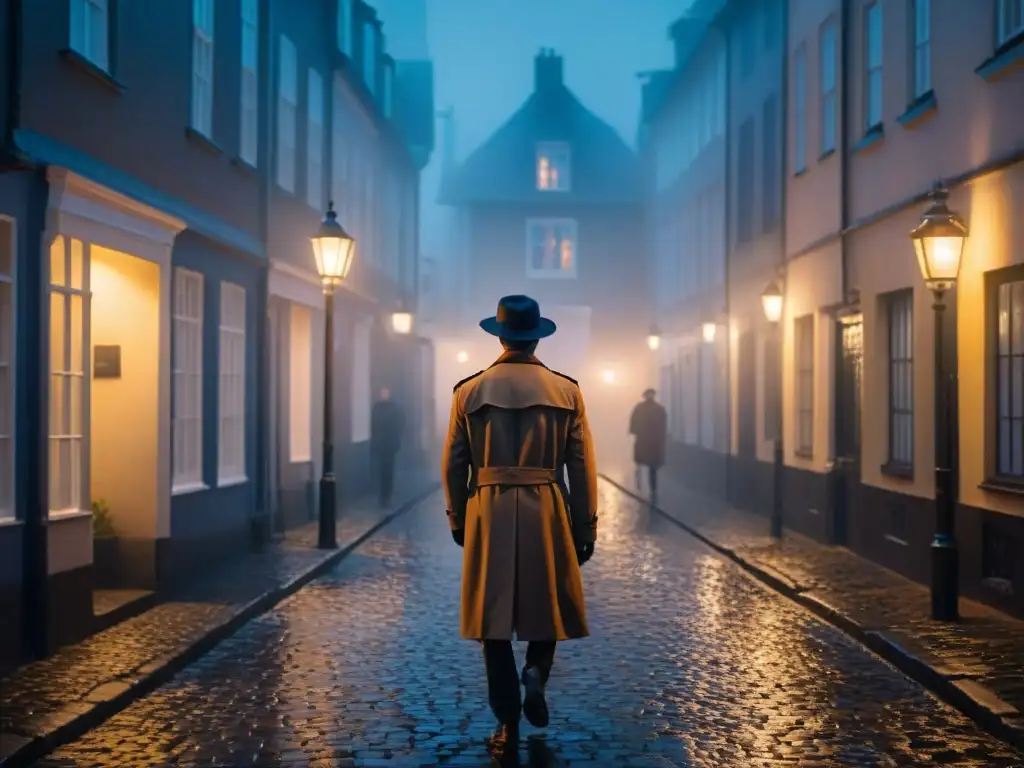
(387, 423)
(515, 429)
(649, 425)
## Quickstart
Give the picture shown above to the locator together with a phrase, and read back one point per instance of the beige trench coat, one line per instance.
(514, 430)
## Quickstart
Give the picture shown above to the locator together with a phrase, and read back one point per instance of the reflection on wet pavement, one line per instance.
(691, 663)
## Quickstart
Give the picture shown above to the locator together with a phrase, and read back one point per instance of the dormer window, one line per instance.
(554, 167)
(370, 57)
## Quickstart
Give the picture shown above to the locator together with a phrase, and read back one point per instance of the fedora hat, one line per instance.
(518, 319)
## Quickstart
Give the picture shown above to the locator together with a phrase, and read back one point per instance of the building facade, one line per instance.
(147, 207)
(550, 206)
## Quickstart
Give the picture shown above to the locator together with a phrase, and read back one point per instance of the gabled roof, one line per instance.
(503, 170)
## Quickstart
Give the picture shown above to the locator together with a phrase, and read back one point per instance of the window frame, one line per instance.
(287, 164)
(828, 92)
(997, 280)
(231, 470)
(543, 274)
(920, 48)
(102, 56)
(899, 308)
(553, 152)
(804, 333)
(1007, 34)
(316, 139)
(193, 479)
(873, 73)
(249, 84)
(800, 109)
(8, 475)
(203, 39)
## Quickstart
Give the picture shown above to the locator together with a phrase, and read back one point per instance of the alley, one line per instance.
(690, 664)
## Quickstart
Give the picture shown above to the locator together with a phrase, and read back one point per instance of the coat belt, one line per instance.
(518, 476)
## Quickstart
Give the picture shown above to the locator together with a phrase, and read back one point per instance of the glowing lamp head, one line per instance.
(401, 322)
(939, 243)
(462, 356)
(653, 338)
(608, 376)
(707, 331)
(771, 301)
(333, 249)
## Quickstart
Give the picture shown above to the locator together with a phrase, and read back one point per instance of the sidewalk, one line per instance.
(976, 664)
(47, 703)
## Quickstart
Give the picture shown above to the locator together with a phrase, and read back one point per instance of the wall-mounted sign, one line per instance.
(106, 361)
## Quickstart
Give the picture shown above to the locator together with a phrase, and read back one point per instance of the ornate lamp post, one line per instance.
(654, 338)
(333, 249)
(939, 243)
(772, 300)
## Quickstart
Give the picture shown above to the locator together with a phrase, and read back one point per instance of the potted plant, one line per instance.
(104, 546)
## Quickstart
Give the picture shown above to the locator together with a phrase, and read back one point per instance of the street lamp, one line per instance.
(401, 320)
(654, 338)
(771, 301)
(333, 249)
(462, 356)
(707, 331)
(939, 244)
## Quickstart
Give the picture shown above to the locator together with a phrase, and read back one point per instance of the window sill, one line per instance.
(10, 522)
(799, 173)
(1007, 56)
(181, 490)
(918, 111)
(1003, 485)
(70, 514)
(551, 275)
(898, 470)
(826, 155)
(75, 59)
(202, 141)
(245, 166)
(803, 453)
(229, 482)
(895, 540)
(872, 137)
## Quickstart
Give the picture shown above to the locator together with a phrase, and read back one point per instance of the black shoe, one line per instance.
(503, 745)
(534, 705)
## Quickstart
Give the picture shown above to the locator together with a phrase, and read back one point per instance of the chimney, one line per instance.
(547, 70)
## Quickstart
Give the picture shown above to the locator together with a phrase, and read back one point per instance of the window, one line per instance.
(800, 109)
(300, 392)
(1010, 22)
(771, 194)
(202, 67)
(287, 114)
(1010, 380)
(901, 379)
(370, 57)
(344, 27)
(69, 296)
(828, 87)
(231, 456)
(315, 141)
(361, 397)
(89, 31)
(921, 63)
(550, 248)
(804, 331)
(187, 372)
(554, 166)
(389, 76)
(745, 184)
(873, 66)
(249, 131)
(7, 250)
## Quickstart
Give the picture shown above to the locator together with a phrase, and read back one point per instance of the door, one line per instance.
(849, 370)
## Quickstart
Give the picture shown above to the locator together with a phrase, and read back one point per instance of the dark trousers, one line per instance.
(652, 479)
(386, 475)
(503, 677)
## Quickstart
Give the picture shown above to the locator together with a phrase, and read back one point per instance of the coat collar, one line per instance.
(510, 356)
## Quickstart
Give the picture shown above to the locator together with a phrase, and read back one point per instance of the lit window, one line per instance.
(231, 411)
(69, 296)
(315, 141)
(187, 372)
(551, 248)
(300, 413)
(554, 169)
(202, 67)
(344, 28)
(828, 87)
(7, 251)
(1010, 20)
(287, 114)
(370, 57)
(89, 27)
(873, 68)
(901, 379)
(250, 82)
(1010, 379)
(804, 332)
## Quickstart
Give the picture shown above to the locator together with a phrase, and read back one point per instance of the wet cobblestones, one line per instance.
(691, 663)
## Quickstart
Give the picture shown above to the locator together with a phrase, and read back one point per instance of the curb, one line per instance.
(110, 698)
(970, 698)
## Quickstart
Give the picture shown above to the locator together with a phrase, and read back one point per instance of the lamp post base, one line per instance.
(945, 579)
(328, 538)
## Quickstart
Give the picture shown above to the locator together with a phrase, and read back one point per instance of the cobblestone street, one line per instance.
(691, 663)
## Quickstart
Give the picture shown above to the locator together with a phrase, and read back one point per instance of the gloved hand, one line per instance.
(584, 552)
(459, 536)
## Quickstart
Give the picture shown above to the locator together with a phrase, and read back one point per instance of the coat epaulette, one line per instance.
(472, 376)
(570, 378)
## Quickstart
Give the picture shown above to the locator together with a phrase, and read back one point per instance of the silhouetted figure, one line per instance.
(514, 430)
(387, 423)
(649, 425)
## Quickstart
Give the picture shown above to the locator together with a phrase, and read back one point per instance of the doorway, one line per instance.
(847, 471)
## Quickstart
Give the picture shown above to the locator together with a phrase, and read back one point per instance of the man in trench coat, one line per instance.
(514, 430)
(649, 425)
